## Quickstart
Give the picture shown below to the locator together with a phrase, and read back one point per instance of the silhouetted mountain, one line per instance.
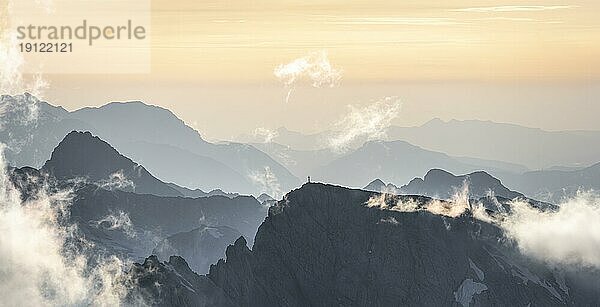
(304, 161)
(131, 124)
(131, 224)
(82, 155)
(396, 161)
(379, 186)
(201, 247)
(151, 135)
(31, 129)
(532, 147)
(171, 283)
(323, 246)
(442, 184)
(199, 193)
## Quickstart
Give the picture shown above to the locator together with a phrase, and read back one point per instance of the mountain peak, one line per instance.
(83, 155)
(443, 184)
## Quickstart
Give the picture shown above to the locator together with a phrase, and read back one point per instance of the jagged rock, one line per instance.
(171, 283)
(201, 247)
(322, 246)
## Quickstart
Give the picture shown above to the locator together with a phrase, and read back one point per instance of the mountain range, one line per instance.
(532, 148)
(392, 161)
(323, 246)
(150, 135)
(134, 214)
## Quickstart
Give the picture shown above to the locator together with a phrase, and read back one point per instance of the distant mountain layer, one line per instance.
(201, 246)
(534, 148)
(171, 283)
(323, 246)
(150, 135)
(501, 146)
(396, 161)
(555, 185)
(131, 225)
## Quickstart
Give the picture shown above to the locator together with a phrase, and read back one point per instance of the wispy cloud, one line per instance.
(409, 21)
(267, 182)
(367, 122)
(514, 8)
(519, 19)
(314, 67)
(264, 135)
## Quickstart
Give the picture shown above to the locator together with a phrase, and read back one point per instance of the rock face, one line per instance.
(442, 184)
(171, 283)
(201, 247)
(131, 224)
(321, 246)
(82, 155)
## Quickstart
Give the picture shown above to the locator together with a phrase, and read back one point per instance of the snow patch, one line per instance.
(467, 289)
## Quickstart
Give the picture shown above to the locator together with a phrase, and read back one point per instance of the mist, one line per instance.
(43, 259)
(569, 236)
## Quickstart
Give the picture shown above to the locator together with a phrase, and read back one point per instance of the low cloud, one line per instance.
(314, 68)
(264, 135)
(568, 236)
(12, 79)
(368, 122)
(116, 181)
(118, 221)
(267, 182)
(40, 264)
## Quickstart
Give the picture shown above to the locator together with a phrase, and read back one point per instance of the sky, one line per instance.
(530, 62)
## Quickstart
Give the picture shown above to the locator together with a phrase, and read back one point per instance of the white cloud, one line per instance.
(12, 61)
(314, 67)
(267, 182)
(265, 135)
(118, 221)
(116, 181)
(368, 122)
(39, 265)
(568, 236)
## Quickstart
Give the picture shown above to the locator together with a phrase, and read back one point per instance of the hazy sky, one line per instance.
(529, 62)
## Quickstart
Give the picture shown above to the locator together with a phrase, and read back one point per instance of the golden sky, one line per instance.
(379, 40)
(529, 62)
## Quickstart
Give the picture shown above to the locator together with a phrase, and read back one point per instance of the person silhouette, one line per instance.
(308, 179)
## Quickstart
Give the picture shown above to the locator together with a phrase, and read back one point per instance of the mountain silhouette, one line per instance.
(379, 186)
(151, 135)
(131, 224)
(82, 155)
(338, 251)
(535, 148)
(442, 184)
(556, 185)
(201, 246)
(395, 161)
